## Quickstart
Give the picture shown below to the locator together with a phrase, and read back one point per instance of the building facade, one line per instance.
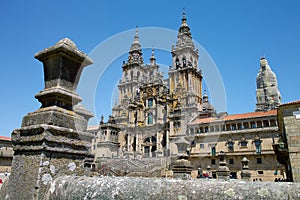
(288, 147)
(6, 154)
(151, 113)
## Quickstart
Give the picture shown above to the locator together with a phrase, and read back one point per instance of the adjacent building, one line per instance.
(288, 147)
(6, 154)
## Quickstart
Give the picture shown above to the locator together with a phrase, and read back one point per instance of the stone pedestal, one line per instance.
(223, 171)
(52, 140)
(245, 174)
(182, 169)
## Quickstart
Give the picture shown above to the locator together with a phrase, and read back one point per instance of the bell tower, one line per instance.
(184, 72)
(132, 75)
(185, 81)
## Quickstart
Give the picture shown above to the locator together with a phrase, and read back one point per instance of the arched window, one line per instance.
(150, 118)
(184, 61)
(150, 102)
(177, 63)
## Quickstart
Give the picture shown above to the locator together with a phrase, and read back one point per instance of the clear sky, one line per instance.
(234, 33)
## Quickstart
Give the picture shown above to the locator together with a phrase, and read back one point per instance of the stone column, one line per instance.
(52, 140)
(139, 153)
(158, 152)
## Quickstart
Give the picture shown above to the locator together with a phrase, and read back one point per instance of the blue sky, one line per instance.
(234, 33)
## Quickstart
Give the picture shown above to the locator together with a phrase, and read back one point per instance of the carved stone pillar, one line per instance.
(52, 140)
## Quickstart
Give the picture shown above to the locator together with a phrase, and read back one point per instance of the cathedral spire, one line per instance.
(184, 28)
(135, 53)
(152, 58)
(205, 97)
(136, 44)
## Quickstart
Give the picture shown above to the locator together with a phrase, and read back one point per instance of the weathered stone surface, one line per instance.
(72, 187)
(52, 141)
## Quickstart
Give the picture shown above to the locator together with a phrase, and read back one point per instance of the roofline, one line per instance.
(290, 103)
(218, 120)
(5, 138)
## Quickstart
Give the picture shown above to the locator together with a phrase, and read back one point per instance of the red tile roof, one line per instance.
(251, 115)
(235, 117)
(5, 138)
(291, 103)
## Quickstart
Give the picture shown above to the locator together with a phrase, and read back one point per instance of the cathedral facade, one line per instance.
(152, 113)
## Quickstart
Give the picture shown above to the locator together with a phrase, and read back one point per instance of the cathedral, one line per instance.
(152, 113)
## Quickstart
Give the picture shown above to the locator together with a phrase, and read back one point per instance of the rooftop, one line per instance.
(5, 138)
(235, 117)
(291, 103)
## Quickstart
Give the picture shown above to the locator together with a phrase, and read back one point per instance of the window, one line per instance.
(176, 124)
(260, 172)
(206, 129)
(213, 151)
(230, 146)
(266, 123)
(201, 146)
(177, 63)
(150, 102)
(243, 142)
(150, 118)
(231, 161)
(240, 126)
(213, 162)
(253, 125)
(258, 161)
(257, 143)
(184, 61)
(192, 131)
(273, 123)
(258, 146)
(232, 127)
(259, 124)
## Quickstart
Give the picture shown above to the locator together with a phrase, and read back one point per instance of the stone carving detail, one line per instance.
(55, 134)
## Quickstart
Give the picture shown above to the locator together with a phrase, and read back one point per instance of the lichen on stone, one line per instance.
(72, 166)
(46, 178)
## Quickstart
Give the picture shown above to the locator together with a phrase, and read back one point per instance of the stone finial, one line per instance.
(182, 145)
(52, 140)
(223, 171)
(63, 64)
(245, 173)
(182, 168)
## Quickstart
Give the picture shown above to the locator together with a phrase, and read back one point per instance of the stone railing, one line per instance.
(74, 187)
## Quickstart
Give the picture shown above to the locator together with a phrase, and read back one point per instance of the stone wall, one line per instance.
(289, 129)
(73, 187)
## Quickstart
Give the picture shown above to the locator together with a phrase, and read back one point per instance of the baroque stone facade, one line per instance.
(150, 110)
(152, 114)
